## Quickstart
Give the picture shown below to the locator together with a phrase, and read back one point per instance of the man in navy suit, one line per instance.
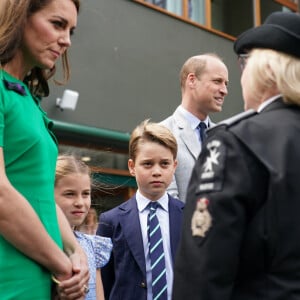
(152, 152)
(203, 81)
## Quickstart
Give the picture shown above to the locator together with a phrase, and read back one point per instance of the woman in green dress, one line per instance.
(33, 231)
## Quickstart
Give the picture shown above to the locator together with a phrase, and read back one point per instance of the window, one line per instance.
(197, 10)
(113, 182)
(268, 6)
(106, 152)
(225, 17)
(232, 16)
(173, 6)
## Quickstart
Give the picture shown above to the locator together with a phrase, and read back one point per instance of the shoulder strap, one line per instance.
(233, 120)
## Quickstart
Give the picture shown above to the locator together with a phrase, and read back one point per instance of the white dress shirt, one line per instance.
(162, 213)
(193, 121)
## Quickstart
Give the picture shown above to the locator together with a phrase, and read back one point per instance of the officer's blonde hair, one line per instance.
(270, 69)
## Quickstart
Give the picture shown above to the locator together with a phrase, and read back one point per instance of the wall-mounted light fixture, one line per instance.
(68, 100)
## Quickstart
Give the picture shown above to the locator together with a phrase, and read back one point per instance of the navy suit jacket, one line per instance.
(124, 277)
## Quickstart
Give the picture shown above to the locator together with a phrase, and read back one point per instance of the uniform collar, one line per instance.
(268, 102)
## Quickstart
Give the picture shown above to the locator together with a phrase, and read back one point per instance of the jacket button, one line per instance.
(143, 284)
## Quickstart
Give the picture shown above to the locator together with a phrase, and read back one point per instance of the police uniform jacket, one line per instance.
(245, 244)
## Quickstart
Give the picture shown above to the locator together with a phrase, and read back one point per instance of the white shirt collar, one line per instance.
(267, 102)
(142, 202)
(192, 119)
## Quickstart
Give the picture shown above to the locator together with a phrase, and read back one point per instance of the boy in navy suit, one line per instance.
(128, 275)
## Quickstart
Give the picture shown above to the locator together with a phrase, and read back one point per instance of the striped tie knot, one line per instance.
(153, 206)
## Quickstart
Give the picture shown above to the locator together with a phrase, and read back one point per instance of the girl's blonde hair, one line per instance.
(69, 164)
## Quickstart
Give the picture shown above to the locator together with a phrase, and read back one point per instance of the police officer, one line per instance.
(241, 232)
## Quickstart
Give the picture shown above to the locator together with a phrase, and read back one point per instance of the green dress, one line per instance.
(30, 153)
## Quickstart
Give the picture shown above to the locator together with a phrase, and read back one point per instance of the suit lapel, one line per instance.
(186, 134)
(175, 216)
(130, 222)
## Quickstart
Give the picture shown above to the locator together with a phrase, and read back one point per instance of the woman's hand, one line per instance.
(76, 287)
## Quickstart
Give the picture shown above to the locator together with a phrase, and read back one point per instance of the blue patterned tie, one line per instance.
(157, 255)
(202, 128)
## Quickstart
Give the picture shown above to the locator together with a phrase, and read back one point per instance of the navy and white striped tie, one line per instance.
(157, 255)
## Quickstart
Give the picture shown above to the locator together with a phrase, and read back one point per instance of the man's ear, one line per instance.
(131, 167)
(191, 79)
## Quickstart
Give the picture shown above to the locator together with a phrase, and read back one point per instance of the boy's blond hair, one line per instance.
(151, 132)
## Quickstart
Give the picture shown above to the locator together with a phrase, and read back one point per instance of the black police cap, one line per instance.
(280, 31)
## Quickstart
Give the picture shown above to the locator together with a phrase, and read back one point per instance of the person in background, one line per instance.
(37, 243)
(240, 236)
(203, 81)
(73, 184)
(90, 223)
(128, 275)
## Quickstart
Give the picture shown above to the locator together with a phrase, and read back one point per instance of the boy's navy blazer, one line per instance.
(124, 277)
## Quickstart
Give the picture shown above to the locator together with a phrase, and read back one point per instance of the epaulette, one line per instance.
(235, 119)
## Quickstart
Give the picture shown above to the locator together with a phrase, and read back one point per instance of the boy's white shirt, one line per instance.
(163, 217)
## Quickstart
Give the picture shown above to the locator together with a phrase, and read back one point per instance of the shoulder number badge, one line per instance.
(201, 219)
